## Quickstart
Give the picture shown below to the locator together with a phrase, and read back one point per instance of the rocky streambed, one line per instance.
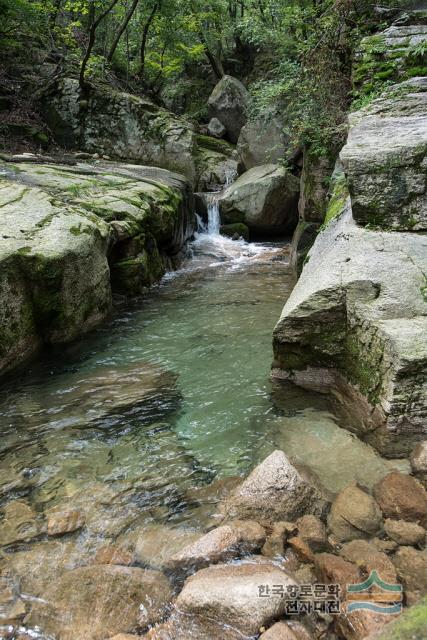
(123, 457)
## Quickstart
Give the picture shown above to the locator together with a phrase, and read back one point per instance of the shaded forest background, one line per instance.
(295, 56)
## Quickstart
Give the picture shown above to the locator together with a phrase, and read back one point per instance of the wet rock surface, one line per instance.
(274, 491)
(354, 514)
(113, 599)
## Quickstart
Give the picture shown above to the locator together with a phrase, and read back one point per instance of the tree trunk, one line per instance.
(122, 28)
(92, 34)
(145, 36)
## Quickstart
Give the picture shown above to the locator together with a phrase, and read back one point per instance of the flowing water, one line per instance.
(140, 423)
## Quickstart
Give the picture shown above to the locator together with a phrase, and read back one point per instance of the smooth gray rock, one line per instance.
(228, 102)
(264, 198)
(385, 159)
(355, 325)
(262, 141)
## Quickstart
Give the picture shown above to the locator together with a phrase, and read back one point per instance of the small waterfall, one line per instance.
(214, 219)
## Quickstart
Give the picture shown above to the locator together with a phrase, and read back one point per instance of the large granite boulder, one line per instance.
(99, 601)
(64, 228)
(230, 594)
(355, 324)
(384, 159)
(262, 141)
(264, 198)
(274, 491)
(143, 132)
(228, 102)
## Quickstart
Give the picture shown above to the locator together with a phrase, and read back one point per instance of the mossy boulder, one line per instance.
(237, 229)
(264, 198)
(384, 159)
(64, 228)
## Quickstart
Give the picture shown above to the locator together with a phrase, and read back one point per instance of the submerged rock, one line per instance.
(231, 540)
(274, 491)
(19, 523)
(230, 594)
(227, 103)
(99, 601)
(264, 198)
(354, 514)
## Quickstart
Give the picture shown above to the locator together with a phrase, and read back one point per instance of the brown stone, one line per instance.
(99, 601)
(234, 539)
(275, 543)
(19, 523)
(230, 594)
(361, 624)
(111, 554)
(411, 566)
(335, 570)
(418, 458)
(367, 557)
(386, 546)
(312, 530)
(405, 533)
(354, 514)
(286, 631)
(61, 522)
(153, 544)
(401, 497)
(192, 627)
(301, 549)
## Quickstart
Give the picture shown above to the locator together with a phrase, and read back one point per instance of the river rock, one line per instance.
(353, 514)
(153, 544)
(402, 497)
(286, 631)
(19, 523)
(61, 522)
(411, 566)
(274, 491)
(405, 533)
(367, 557)
(234, 539)
(182, 626)
(216, 128)
(113, 554)
(332, 569)
(99, 601)
(312, 530)
(301, 549)
(227, 103)
(229, 594)
(264, 198)
(262, 141)
(277, 538)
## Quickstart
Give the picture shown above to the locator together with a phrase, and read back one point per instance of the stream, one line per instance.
(144, 423)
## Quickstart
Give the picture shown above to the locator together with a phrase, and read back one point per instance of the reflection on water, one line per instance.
(138, 424)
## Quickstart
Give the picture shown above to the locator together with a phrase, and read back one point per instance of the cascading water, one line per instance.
(214, 218)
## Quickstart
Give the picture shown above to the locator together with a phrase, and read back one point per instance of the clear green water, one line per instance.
(69, 440)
